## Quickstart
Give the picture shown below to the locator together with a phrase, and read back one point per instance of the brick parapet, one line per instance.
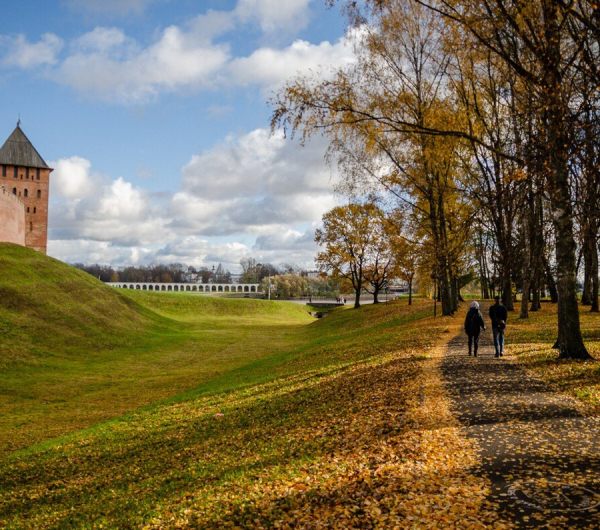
(12, 217)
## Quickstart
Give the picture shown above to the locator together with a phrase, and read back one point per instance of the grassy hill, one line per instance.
(204, 412)
(49, 309)
(75, 352)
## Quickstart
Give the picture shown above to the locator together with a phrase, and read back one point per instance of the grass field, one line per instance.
(129, 409)
(76, 353)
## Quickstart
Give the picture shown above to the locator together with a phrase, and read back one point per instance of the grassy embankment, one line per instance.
(531, 341)
(75, 353)
(222, 412)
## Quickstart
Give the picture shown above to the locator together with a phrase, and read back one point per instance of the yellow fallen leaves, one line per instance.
(397, 459)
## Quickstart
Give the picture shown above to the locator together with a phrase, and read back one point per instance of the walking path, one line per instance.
(540, 453)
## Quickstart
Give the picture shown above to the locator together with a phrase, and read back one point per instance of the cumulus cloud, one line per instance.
(255, 194)
(87, 205)
(257, 184)
(275, 15)
(270, 67)
(71, 177)
(258, 163)
(109, 65)
(24, 54)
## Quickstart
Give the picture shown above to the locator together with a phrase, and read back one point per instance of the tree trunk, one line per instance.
(587, 250)
(527, 218)
(357, 298)
(507, 297)
(445, 292)
(525, 299)
(410, 282)
(376, 295)
(570, 342)
(550, 281)
(594, 277)
(357, 282)
(535, 298)
(537, 250)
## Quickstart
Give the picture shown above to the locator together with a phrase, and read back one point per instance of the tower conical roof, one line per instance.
(18, 151)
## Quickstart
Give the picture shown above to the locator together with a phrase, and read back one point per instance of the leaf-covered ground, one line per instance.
(351, 432)
(531, 342)
(376, 419)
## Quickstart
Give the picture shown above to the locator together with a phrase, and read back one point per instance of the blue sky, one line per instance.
(154, 115)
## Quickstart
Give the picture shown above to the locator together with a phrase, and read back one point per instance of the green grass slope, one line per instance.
(48, 308)
(75, 352)
(301, 427)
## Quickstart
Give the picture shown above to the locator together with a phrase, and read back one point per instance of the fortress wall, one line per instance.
(12, 218)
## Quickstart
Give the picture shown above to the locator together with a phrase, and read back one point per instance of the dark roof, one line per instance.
(18, 151)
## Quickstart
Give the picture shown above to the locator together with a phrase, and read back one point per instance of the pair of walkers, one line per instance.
(474, 324)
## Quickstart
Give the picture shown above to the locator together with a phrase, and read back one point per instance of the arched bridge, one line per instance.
(190, 287)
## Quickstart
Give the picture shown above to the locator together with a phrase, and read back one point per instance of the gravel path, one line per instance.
(541, 454)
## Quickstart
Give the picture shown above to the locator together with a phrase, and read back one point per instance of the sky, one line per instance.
(154, 115)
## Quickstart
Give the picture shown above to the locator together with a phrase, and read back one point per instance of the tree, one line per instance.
(385, 111)
(407, 256)
(543, 45)
(249, 270)
(351, 244)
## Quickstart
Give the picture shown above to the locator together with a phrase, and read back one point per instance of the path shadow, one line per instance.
(541, 455)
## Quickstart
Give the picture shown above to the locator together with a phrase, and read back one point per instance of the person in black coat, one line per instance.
(498, 316)
(473, 325)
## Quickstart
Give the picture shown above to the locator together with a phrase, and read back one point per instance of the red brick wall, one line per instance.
(12, 218)
(27, 188)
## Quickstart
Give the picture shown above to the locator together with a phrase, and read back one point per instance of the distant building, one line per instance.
(313, 274)
(25, 175)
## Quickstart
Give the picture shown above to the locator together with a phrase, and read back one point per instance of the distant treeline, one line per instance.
(252, 272)
(155, 272)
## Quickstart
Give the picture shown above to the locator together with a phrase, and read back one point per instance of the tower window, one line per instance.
(3, 170)
(34, 209)
(14, 191)
(37, 174)
(16, 171)
(27, 173)
(25, 193)
(28, 209)
(39, 194)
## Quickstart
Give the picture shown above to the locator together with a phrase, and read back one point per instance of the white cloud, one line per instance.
(255, 194)
(109, 65)
(275, 15)
(106, 64)
(87, 205)
(26, 55)
(103, 252)
(103, 40)
(71, 177)
(271, 68)
(258, 164)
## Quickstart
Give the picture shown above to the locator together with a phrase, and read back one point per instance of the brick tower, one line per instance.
(24, 172)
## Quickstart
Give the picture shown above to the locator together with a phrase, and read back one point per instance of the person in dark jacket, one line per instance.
(473, 325)
(498, 316)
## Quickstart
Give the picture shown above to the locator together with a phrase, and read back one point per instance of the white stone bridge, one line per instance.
(190, 287)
